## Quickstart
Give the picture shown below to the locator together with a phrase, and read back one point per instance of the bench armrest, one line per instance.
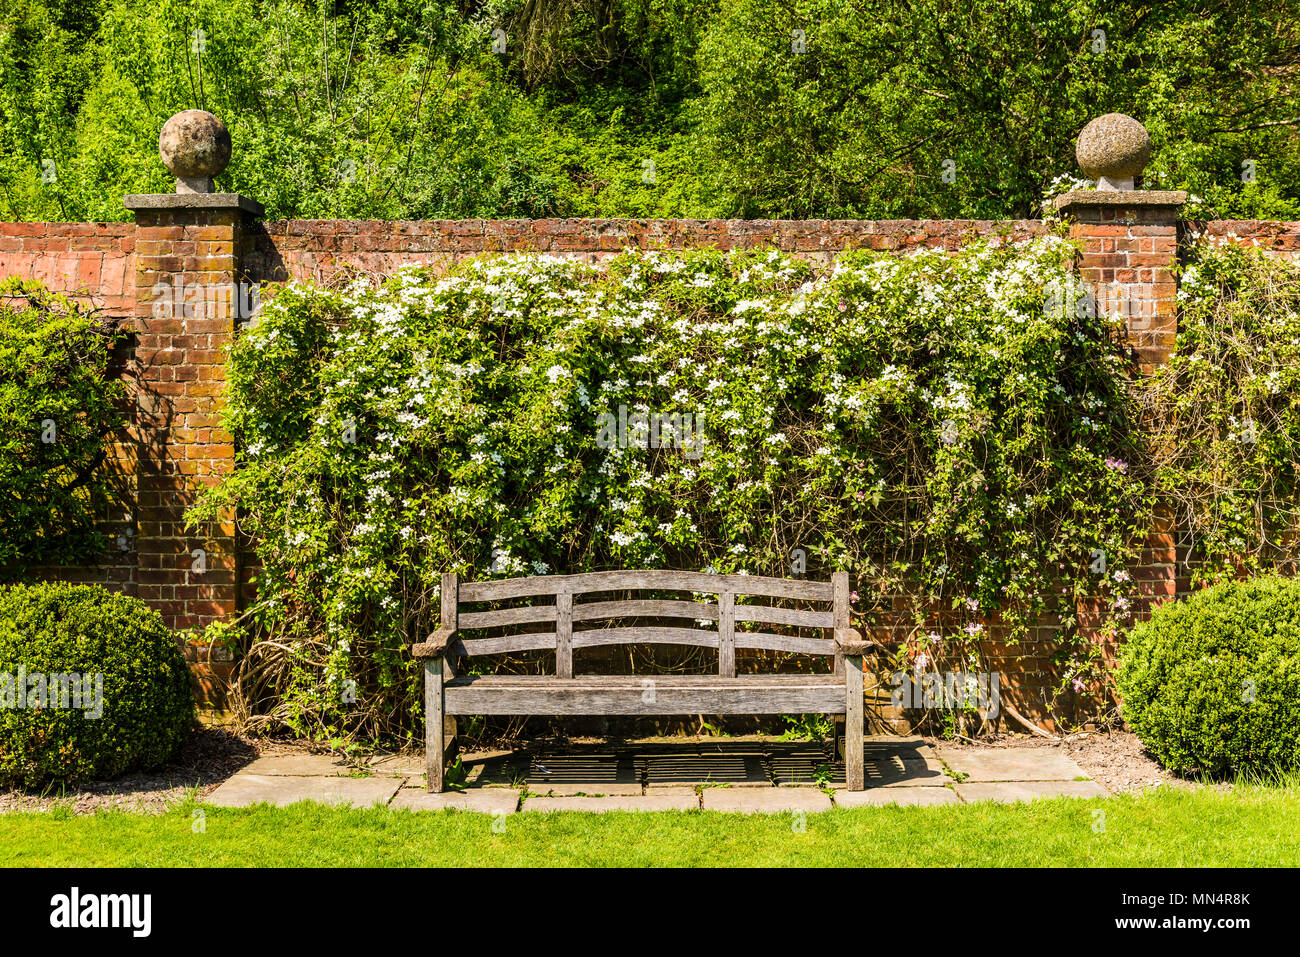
(436, 645)
(850, 641)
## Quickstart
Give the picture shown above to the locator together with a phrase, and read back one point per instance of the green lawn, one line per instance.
(1251, 826)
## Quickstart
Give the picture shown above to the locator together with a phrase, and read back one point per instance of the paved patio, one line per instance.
(750, 775)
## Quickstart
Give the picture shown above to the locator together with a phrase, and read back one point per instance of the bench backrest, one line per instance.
(559, 618)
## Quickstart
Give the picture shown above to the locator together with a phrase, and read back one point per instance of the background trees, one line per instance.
(699, 108)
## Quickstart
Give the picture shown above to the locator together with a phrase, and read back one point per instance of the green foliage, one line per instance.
(861, 122)
(140, 710)
(403, 109)
(58, 411)
(1248, 825)
(1212, 683)
(1225, 412)
(922, 421)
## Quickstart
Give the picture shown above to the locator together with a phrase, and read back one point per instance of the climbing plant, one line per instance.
(931, 422)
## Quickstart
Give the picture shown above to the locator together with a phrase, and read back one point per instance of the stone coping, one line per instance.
(137, 201)
(1120, 197)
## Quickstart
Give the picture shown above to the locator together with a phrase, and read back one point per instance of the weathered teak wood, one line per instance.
(564, 635)
(748, 694)
(589, 582)
(435, 646)
(650, 635)
(849, 641)
(448, 694)
(434, 745)
(853, 769)
(525, 615)
(840, 612)
(727, 634)
(506, 644)
(770, 615)
(641, 608)
(793, 644)
(449, 602)
(848, 656)
(439, 664)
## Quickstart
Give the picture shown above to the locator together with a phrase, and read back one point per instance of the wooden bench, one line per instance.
(449, 692)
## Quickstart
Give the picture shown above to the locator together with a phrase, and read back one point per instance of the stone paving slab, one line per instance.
(404, 765)
(611, 776)
(879, 796)
(1012, 764)
(588, 789)
(299, 765)
(245, 789)
(1010, 791)
(485, 800)
(676, 799)
(764, 800)
(501, 769)
(908, 766)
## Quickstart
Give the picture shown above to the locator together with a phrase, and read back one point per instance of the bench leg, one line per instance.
(434, 738)
(854, 773)
(450, 744)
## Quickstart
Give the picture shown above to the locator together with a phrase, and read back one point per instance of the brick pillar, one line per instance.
(1129, 247)
(1129, 243)
(188, 249)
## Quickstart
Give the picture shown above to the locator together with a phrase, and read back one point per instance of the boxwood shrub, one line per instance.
(60, 409)
(1212, 683)
(127, 706)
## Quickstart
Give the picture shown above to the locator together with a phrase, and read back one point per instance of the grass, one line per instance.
(1249, 825)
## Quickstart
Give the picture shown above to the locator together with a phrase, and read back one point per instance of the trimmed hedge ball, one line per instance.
(92, 685)
(1212, 683)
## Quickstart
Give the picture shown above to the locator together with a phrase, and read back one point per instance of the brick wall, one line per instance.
(96, 260)
(176, 446)
(1277, 238)
(320, 249)
(90, 260)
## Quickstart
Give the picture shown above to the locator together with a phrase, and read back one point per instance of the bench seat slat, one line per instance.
(629, 695)
(637, 681)
(653, 579)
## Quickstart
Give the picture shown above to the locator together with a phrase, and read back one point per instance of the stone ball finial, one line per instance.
(195, 146)
(1113, 149)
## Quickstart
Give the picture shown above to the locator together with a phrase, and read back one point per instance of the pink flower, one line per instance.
(1118, 465)
(853, 596)
(973, 604)
(922, 659)
(1078, 684)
